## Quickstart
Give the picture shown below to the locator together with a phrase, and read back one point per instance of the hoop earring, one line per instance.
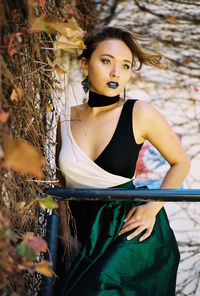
(86, 84)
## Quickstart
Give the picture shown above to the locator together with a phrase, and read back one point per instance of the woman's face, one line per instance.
(109, 67)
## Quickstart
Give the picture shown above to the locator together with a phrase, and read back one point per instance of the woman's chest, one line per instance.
(93, 133)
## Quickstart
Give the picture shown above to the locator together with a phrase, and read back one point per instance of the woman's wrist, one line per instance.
(155, 206)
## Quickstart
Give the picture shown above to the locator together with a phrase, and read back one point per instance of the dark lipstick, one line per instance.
(113, 84)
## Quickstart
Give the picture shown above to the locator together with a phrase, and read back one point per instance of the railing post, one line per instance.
(47, 288)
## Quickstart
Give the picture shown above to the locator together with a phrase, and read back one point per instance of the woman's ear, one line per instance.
(84, 66)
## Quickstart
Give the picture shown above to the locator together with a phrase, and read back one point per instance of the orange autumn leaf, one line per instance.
(38, 244)
(171, 19)
(48, 108)
(70, 9)
(59, 70)
(69, 43)
(4, 117)
(17, 94)
(1, 153)
(15, 14)
(188, 60)
(42, 23)
(87, 20)
(20, 205)
(11, 50)
(22, 157)
(52, 25)
(13, 41)
(44, 267)
(42, 3)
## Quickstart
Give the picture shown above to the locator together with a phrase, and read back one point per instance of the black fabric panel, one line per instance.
(121, 154)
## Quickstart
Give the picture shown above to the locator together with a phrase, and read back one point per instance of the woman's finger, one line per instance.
(132, 221)
(129, 215)
(130, 227)
(136, 232)
(146, 234)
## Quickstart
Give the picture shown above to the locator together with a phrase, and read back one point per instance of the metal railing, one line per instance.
(125, 194)
(115, 194)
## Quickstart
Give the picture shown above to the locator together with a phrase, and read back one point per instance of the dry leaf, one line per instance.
(48, 108)
(66, 43)
(52, 25)
(4, 117)
(171, 19)
(44, 267)
(1, 152)
(25, 251)
(70, 9)
(59, 70)
(13, 41)
(22, 157)
(188, 60)
(42, 3)
(11, 50)
(48, 203)
(87, 20)
(20, 205)
(38, 244)
(173, 29)
(17, 94)
(15, 14)
(28, 235)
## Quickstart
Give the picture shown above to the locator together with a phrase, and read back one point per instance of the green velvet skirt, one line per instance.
(111, 265)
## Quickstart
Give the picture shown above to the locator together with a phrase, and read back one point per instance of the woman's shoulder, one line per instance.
(142, 108)
(145, 114)
(148, 117)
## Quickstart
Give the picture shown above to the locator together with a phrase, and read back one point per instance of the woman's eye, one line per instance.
(105, 61)
(126, 66)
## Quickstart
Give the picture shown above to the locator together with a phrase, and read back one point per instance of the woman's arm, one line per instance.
(62, 206)
(59, 175)
(155, 129)
(150, 125)
(69, 241)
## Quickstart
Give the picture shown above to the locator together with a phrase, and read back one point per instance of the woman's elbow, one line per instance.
(185, 163)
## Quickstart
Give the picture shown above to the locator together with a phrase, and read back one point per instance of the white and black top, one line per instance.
(114, 166)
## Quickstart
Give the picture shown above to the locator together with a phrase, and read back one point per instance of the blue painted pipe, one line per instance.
(180, 195)
(47, 288)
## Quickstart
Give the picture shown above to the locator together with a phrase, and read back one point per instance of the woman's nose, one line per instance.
(115, 72)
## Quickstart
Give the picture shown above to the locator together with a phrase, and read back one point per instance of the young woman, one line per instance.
(126, 248)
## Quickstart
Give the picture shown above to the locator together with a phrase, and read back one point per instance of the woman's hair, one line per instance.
(130, 38)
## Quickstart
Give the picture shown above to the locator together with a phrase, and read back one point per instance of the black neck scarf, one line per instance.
(98, 100)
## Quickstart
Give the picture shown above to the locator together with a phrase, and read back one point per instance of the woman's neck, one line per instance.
(99, 100)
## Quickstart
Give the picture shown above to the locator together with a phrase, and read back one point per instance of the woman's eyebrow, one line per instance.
(109, 55)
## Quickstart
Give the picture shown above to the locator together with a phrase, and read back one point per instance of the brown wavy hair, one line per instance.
(130, 38)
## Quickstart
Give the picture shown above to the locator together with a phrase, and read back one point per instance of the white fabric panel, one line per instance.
(78, 169)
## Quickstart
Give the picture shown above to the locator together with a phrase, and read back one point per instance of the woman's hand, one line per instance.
(141, 218)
